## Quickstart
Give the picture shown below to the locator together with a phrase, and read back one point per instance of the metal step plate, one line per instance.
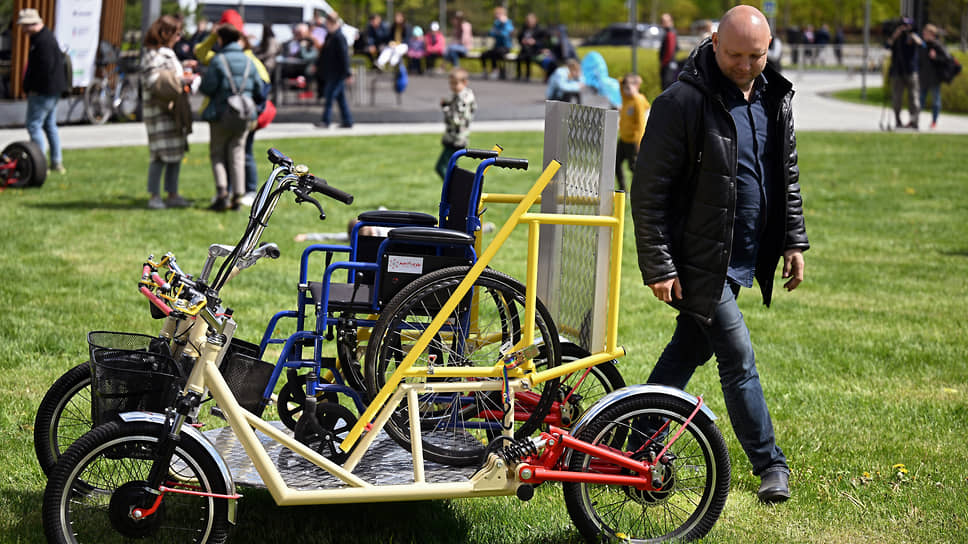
(386, 463)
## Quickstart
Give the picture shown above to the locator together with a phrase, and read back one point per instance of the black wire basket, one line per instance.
(246, 374)
(130, 372)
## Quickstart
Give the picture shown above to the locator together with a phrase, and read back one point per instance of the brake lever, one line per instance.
(302, 195)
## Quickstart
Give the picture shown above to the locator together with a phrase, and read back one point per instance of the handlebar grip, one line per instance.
(481, 153)
(507, 162)
(278, 158)
(320, 186)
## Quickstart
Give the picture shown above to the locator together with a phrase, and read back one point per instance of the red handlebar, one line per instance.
(156, 300)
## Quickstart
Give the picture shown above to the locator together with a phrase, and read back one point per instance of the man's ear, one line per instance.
(715, 41)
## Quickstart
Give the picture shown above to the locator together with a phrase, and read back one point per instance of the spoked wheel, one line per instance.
(456, 427)
(30, 169)
(292, 398)
(111, 463)
(694, 472)
(98, 102)
(63, 416)
(580, 390)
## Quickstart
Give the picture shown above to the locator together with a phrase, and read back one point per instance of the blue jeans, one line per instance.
(336, 90)
(41, 120)
(936, 106)
(727, 337)
(454, 52)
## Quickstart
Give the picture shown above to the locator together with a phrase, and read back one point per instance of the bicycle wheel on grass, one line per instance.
(101, 477)
(456, 427)
(63, 416)
(695, 474)
(98, 102)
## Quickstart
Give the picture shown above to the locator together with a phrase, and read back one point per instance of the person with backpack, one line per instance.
(44, 82)
(234, 87)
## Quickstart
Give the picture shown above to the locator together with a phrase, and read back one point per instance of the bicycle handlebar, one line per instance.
(319, 185)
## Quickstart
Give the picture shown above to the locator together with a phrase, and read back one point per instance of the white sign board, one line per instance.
(77, 32)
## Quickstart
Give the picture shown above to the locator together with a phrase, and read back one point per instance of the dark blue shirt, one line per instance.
(752, 177)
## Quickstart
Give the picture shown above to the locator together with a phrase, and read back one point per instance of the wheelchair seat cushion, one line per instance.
(431, 235)
(395, 217)
(344, 297)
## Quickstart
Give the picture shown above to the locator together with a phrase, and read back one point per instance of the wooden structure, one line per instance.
(112, 29)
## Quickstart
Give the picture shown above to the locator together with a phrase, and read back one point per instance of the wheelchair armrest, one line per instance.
(431, 235)
(393, 217)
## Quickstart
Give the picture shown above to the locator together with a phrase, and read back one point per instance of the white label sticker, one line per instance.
(404, 264)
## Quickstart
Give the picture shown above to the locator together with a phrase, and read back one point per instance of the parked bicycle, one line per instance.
(116, 93)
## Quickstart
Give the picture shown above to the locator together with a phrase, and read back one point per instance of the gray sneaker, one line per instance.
(177, 202)
(156, 203)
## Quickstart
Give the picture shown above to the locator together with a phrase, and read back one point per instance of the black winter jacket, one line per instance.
(45, 66)
(683, 194)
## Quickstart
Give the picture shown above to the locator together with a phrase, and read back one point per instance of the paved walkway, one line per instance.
(504, 107)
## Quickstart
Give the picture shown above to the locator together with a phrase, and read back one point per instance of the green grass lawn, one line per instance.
(865, 366)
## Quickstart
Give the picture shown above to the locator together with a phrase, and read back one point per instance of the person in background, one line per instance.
(501, 31)
(668, 66)
(929, 79)
(459, 111)
(904, 44)
(559, 49)
(268, 49)
(333, 66)
(416, 50)
(205, 52)
(532, 40)
(435, 45)
(227, 144)
(715, 202)
(44, 82)
(463, 40)
(631, 125)
(396, 48)
(318, 30)
(202, 30)
(566, 82)
(167, 139)
(774, 56)
(375, 37)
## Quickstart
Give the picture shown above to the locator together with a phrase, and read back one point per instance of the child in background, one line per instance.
(631, 125)
(458, 111)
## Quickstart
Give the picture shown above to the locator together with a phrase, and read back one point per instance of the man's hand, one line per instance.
(793, 268)
(666, 289)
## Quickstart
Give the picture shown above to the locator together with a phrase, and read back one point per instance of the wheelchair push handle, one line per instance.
(481, 153)
(507, 162)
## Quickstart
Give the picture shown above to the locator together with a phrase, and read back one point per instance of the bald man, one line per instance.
(716, 203)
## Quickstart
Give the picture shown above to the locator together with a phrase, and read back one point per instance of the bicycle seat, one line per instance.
(431, 235)
(393, 216)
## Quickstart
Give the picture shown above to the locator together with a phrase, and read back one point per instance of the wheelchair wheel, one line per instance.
(580, 390)
(292, 400)
(695, 475)
(115, 459)
(455, 427)
(63, 416)
(31, 168)
(98, 102)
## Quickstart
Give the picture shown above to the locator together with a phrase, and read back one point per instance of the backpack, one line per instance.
(950, 69)
(68, 75)
(241, 110)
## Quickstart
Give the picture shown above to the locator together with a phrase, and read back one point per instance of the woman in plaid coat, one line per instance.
(165, 121)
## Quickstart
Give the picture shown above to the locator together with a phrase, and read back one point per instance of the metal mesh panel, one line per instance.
(573, 259)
